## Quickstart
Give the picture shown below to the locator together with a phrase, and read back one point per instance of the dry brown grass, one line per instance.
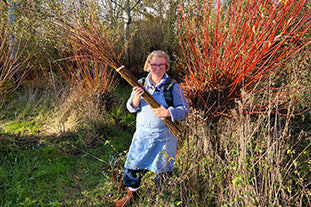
(250, 160)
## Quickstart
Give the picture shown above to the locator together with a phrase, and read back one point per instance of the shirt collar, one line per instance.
(165, 79)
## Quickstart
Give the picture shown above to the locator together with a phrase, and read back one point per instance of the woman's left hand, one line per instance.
(161, 112)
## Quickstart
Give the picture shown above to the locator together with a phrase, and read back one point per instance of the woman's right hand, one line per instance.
(138, 92)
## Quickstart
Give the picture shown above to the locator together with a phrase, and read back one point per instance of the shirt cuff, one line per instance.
(170, 109)
(130, 106)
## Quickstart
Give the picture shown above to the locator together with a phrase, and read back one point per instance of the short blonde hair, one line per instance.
(157, 53)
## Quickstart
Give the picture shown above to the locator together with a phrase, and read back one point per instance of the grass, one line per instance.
(48, 177)
(35, 177)
(70, 169)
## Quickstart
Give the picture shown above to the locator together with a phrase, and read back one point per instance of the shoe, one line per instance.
(126, 201)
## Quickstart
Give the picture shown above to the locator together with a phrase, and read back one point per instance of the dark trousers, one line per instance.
(132, 178)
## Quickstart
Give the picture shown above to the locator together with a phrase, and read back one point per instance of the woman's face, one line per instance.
(157, 66)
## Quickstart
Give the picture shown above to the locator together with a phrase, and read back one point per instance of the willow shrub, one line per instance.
(244, 45)
(85, 66)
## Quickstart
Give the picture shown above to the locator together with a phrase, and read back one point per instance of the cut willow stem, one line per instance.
(175, 127)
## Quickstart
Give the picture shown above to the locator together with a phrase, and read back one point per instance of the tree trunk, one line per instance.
(127, 22)
(12, 39)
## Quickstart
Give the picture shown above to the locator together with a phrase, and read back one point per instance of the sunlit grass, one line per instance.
(22, 127)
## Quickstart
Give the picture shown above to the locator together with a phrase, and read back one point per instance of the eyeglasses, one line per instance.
(161, 66)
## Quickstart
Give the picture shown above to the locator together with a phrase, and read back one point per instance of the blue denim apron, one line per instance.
(153, 146)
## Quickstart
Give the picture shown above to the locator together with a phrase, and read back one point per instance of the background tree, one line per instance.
(127, 6)
(12, 5)
(156, 28)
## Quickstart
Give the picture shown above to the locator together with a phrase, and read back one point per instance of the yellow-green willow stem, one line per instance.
(175, 127)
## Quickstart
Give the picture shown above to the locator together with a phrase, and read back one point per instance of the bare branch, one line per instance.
(117, 4)
(135, 5)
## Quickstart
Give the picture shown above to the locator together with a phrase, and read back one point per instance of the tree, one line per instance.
(12, 4)
(156, 28)
(127, 8)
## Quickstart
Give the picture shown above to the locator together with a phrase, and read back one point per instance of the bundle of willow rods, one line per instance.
(175, 127)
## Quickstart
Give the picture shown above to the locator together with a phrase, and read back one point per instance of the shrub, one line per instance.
(243, 46)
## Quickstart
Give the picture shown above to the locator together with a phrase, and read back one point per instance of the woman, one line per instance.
(153, 146)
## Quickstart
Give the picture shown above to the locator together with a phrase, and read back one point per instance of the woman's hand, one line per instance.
(161, 112)
(138, 92)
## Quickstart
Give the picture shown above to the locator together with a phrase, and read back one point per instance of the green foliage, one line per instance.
(25, 112)
(33, 176)
(159, 32)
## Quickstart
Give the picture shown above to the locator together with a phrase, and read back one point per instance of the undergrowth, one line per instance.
(247, 160)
